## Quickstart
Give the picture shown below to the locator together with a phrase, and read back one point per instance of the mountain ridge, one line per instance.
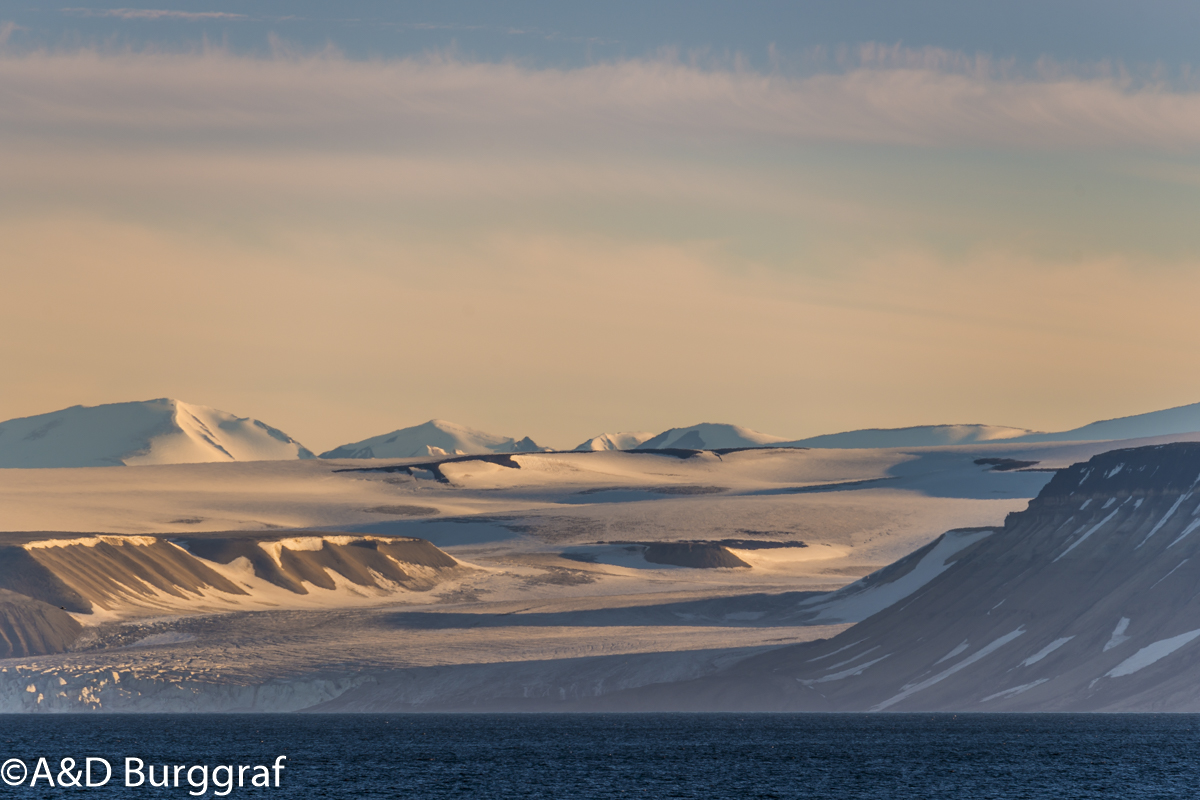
(159, 431)
(626, 440)
(1165, 422)
(710, 436)
(1084, 601)
(437, 437)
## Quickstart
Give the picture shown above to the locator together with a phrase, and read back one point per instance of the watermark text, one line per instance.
(91, 772)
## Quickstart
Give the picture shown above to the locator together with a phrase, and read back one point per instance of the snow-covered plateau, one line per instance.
(1002, 574)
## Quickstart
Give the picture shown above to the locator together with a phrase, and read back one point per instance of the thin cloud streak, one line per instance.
(341, 232)
(346, 177)
(153, 14)
(328, 101)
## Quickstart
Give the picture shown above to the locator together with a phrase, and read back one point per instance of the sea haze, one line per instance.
(646, 755)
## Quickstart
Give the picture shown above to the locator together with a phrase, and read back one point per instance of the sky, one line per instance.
(559, 220)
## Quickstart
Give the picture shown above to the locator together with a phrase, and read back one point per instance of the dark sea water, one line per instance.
(628, 755)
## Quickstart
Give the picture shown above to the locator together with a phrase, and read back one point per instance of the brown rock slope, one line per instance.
(1087, 601)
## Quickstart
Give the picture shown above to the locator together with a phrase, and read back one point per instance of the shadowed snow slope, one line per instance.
(1184, 419)
(918, 436)
(160, 431)
(434, 438)
(1170, 422)
(616, 441)
(709, 436)
(1086, 601)
(30, 627)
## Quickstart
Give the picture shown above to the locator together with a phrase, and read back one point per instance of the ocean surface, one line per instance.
(879, 756)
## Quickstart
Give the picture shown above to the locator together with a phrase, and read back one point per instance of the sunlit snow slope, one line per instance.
(437, 437)
(1168, 422)
(710, 436)
(616, 441)
(163, 431)
(918, 436)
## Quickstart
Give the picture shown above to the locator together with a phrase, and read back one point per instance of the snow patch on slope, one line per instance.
(1092, 530)
(957, 651)
(846, 673)
(1014, 691)
(910, 690)
(874, 593)
(1118, 635)
(1045, 651)
(1158, 526)
(1151, 653)
(1191, 527)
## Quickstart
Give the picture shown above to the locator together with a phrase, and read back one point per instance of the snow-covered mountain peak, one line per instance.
(160, 431)
(626, 440)
(437, 437)
(710, 436)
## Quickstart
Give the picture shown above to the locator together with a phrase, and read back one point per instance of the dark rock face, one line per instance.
(1005, 464)
(698, 555)
(525, 445)
(689, 441)
(1087, 600)
(348, 451)
(656, 441)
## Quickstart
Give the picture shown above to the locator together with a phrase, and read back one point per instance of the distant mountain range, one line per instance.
(616, 441)
(162, 431)
(1173, 421)
(706, 436)
(1183, 419)
(918, 436)
(167, 431)
(437, 437)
